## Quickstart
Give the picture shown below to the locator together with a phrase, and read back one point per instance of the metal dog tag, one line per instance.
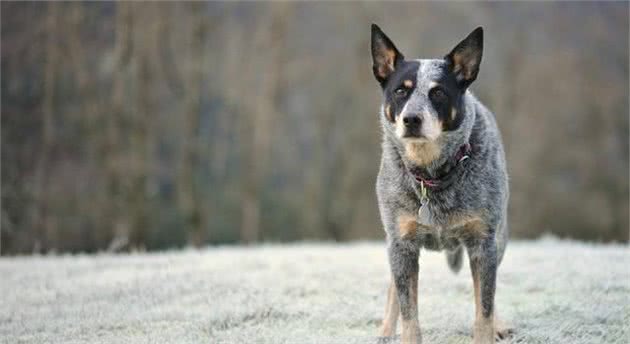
(424, 202)
(423, 209)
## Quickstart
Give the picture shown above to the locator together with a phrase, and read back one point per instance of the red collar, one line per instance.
(446, 178)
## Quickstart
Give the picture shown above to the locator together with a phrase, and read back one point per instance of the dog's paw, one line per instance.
(503, 333)
(414, 337)
(386, 340)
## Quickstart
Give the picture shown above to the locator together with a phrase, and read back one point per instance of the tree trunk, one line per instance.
(260, 118)
(189, 193)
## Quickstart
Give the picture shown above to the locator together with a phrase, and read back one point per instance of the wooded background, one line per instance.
(155, 125)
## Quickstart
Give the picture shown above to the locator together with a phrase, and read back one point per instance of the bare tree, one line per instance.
(259, 117)
(189, 193)
(114, 148)
(42, 219)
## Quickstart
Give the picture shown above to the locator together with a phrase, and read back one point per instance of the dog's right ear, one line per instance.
(385, 56)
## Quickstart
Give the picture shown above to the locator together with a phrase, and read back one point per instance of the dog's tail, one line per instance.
(454, 259)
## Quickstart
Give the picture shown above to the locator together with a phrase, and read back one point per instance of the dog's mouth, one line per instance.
(412, 134)
(418, 135)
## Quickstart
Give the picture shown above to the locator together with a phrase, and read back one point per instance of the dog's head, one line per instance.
(424, 99)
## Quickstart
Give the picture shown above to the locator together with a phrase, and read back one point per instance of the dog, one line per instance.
(442, 183)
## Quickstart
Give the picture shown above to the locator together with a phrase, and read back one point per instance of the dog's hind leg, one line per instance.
(392, 311)
(403, 260)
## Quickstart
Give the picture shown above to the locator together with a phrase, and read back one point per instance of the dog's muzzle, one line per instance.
(413, 124)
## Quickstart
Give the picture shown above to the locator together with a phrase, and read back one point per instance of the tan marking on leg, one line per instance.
(422, 153)
(477, 292)
(392, 311)
(453, 114)
(407, 226)
(483, 330)
(408, 83)
(413, 292)
(470, 225)
(410, 332)
(410, 328)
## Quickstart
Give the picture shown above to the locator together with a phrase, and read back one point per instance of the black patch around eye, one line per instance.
(396, 100)
(444, 102)
(441, 103)
(454, 103)
(438, 96)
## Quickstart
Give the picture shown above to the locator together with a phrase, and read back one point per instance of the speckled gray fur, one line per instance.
(481, 187)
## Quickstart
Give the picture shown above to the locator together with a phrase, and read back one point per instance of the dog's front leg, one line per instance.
(483, 266)
(403, 260)
(392, 311)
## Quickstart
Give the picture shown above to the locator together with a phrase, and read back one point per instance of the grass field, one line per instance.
(551, 291)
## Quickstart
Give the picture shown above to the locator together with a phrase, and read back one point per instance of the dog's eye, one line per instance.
(438, 95)
(401, 92)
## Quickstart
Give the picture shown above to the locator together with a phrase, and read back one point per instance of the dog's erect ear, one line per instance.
(385, 56)
(465, 58)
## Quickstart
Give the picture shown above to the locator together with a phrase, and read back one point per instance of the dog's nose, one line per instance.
(411, 120)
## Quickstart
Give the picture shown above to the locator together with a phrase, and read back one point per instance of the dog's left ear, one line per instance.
(465, 58)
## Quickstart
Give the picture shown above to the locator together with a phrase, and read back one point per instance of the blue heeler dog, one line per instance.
(442, 182)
